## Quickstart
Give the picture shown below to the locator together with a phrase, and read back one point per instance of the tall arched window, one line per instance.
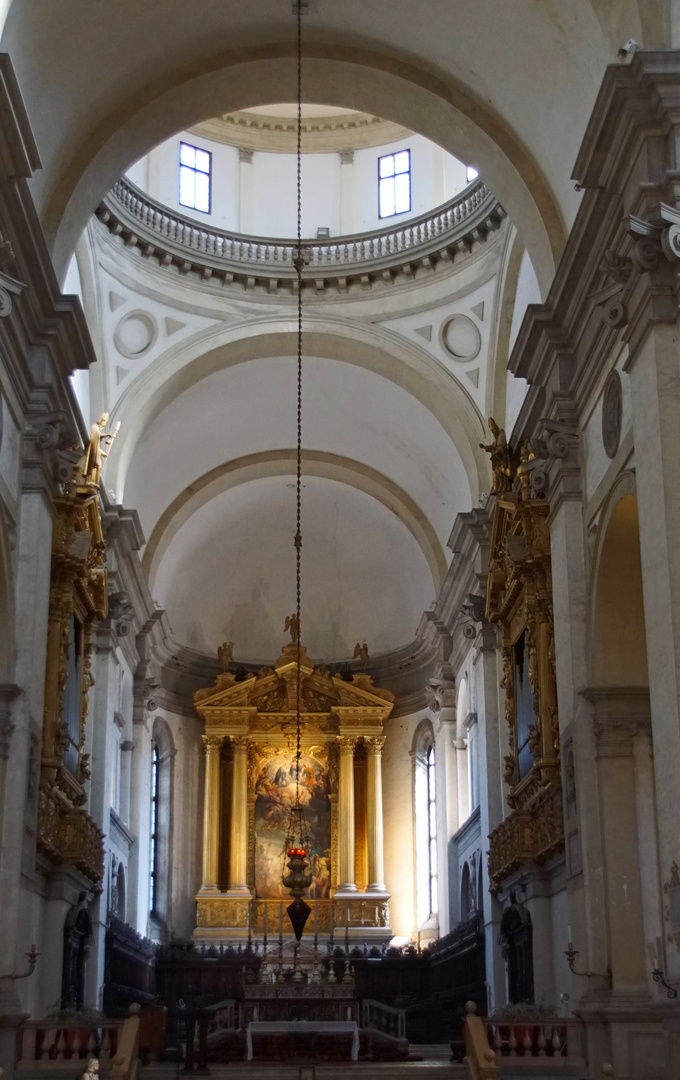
(425, 797)
(160, 829)
(153, 831)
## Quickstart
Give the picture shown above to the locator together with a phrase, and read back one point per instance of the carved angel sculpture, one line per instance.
(361, 651)
(225, 654)
(500, 457)
(293, 624)
(90, 464)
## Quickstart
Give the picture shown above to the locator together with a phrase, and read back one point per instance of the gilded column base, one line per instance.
(349, 889)
(238, 890)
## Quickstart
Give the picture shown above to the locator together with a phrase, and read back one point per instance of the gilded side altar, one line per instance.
(251, 782)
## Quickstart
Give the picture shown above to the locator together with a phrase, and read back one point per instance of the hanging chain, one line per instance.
(299, 262)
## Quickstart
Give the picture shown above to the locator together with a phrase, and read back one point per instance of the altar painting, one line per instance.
(275, 791)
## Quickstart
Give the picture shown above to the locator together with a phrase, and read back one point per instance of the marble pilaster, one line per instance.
(211, 813)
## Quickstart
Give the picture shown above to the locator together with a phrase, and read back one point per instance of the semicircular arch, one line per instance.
(439, 107)
(215, 349)
(283, 463)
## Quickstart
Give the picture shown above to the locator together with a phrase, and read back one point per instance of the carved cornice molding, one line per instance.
(321, 134)
(619, 715)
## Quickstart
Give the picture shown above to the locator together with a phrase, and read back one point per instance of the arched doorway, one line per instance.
(518, 952)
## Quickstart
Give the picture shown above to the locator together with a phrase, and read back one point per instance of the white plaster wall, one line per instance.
(527, 292)
(10, 441)
(269, 202)
(80, 379)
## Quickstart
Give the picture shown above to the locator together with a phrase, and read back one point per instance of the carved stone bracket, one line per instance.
(121, 612)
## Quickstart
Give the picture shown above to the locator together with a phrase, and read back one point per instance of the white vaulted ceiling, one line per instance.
(213, 481)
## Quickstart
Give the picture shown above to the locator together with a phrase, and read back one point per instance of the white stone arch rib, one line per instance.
(441, 108)
(283, 463)
(403, 363)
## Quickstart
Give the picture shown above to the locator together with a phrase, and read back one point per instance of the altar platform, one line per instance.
(307, 1040)
(435, 1063)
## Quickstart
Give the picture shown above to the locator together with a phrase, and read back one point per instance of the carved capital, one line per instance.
(374, 744)
(619, 715)
(346, 744)
(6, 729)
(245, 156)
(212, 744)
(239, 744)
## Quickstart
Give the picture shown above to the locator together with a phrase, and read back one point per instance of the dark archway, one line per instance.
(518, 951)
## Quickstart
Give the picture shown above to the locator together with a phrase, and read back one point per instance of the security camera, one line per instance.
(626, 51)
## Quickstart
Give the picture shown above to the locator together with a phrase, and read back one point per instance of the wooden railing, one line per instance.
(363, 258)
(375, 1014)
(53, 1049)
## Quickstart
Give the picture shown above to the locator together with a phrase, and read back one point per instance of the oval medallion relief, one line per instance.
(135, 334)
(612, 410)
(461, 338)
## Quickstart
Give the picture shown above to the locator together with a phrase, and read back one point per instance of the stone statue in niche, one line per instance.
(500, 457)
(225, 654)
(361, 651)
(293, 624)
(89, 468)
(77, 940)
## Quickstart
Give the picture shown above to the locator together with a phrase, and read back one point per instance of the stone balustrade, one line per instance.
(346, 263)
(555, 1037)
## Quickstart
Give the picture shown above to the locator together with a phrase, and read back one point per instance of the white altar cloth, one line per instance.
(322, 1027)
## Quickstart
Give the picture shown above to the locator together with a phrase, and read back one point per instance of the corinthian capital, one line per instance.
(374, 744)
(212, 743)
(346, 744)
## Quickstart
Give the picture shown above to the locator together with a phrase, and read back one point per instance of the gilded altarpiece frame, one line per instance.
(261, 710)
(519, 602)
(67, 835)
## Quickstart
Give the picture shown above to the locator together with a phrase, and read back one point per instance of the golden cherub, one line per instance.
(293, 624)
(361, 651)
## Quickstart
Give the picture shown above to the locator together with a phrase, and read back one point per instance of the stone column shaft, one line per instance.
(238, 848)
(346, 883)
(374, 816)
(211, 812)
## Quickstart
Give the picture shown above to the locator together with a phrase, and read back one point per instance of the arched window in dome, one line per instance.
(425, 798)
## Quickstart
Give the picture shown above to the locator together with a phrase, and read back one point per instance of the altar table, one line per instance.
(303, 1027)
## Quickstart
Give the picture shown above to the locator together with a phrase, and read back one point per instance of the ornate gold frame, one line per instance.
(519, 599)
(78, 587)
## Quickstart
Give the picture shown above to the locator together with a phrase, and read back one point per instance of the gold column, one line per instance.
(211, 813)
(374, 815)
(346, 882)
(238, 848)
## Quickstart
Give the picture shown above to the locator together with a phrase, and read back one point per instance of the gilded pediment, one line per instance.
(274, 690)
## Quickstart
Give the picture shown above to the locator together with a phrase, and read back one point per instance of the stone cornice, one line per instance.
(321, 134)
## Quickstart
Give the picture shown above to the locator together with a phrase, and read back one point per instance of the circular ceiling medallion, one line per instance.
(461, 338)
(612, 413)
(135, 334)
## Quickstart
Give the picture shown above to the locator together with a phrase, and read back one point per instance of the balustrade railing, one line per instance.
(190, 244)
(52, 1048)
(384, 1018)
(549, 1038)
